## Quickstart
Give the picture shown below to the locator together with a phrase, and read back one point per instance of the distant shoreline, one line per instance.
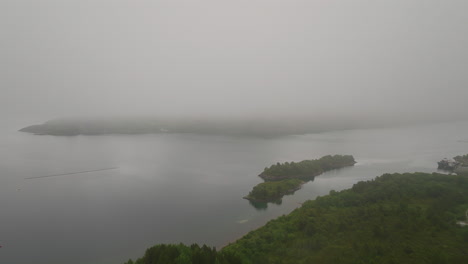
(272, 127)
(256, 128)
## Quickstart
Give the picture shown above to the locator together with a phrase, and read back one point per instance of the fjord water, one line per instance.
(172, 188)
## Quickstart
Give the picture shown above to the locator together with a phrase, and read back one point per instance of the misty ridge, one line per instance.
(138, 125)
(259, 127)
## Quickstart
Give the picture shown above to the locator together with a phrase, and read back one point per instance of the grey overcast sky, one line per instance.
(233, 58)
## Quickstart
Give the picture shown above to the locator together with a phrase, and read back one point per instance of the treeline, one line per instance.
(181, 254)
(268, 191)
(306, 168)
(396, 218)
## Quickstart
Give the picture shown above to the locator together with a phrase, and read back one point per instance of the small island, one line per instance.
(286, 178)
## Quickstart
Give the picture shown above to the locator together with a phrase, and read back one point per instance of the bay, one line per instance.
(172, 188)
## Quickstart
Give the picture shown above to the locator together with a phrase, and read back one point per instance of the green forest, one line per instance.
(395, 218)
(306, 169)
(182, 254)
(286, 178)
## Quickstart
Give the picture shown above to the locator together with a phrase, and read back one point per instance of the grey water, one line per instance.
(172, 188)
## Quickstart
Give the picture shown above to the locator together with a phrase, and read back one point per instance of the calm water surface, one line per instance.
(176, 188)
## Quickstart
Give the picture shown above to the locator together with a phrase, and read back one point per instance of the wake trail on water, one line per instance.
(70, 173)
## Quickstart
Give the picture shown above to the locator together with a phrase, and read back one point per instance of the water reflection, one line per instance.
(261, 206)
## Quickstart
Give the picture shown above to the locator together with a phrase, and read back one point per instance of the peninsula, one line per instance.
(286, 178)
(306, 169)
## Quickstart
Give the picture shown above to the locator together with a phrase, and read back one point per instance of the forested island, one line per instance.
(395, 218)
(306, 169)
(285, 178)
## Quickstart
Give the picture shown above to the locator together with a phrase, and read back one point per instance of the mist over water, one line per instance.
(365, 59)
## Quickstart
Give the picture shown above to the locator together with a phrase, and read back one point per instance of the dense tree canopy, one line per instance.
(181, 254)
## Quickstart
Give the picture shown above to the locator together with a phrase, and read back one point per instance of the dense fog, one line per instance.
(317, 59)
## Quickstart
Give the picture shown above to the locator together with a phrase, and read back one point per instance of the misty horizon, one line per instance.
(243, 59)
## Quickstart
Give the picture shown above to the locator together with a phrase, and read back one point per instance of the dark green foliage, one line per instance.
(396, 218)
(306, 168)
(181, 254)
(269, 191)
